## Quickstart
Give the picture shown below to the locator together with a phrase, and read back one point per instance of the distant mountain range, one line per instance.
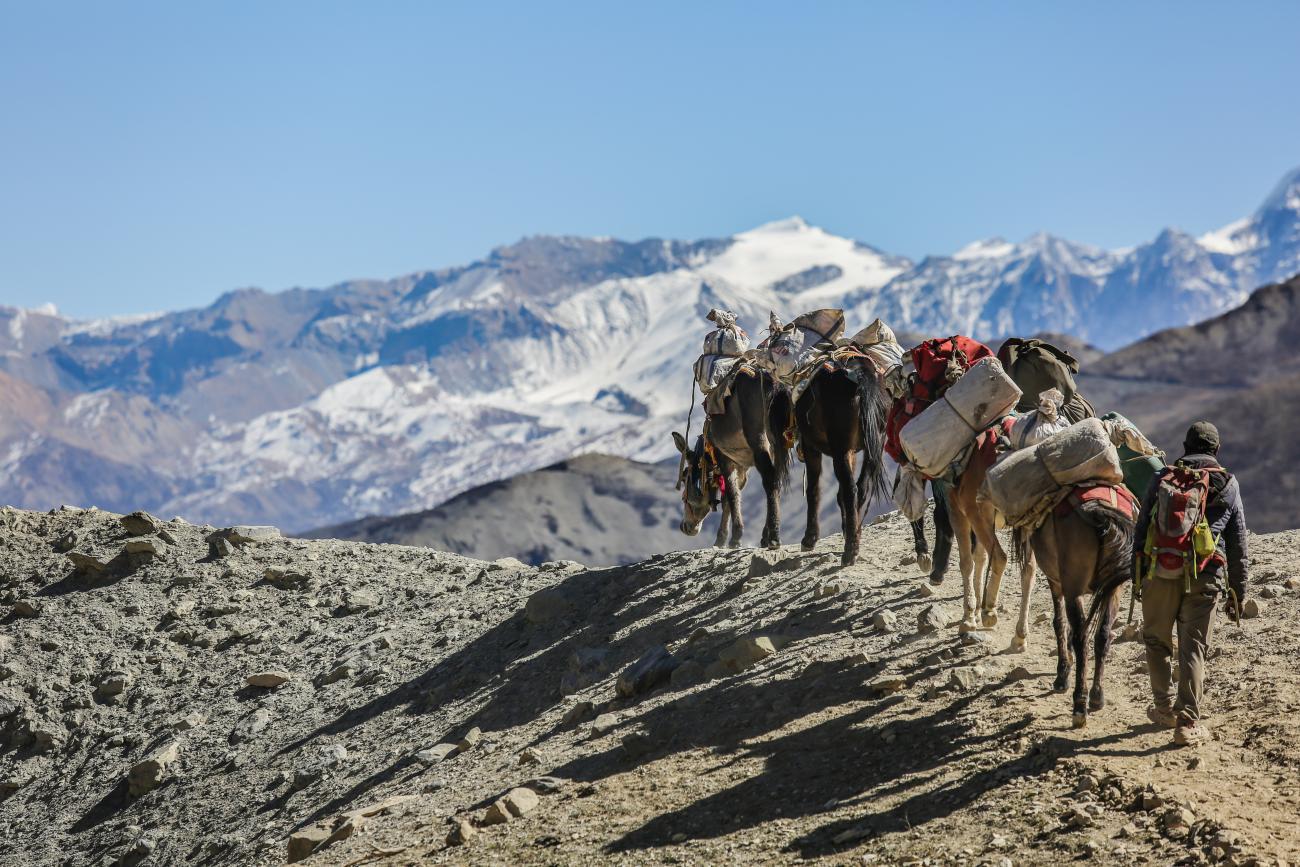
(312, 407)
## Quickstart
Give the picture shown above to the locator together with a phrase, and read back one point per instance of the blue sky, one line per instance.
(155, 155)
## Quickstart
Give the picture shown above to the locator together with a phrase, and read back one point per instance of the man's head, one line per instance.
(1202, 439)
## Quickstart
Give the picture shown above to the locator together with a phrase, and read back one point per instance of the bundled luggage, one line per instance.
(1025, 485)
(1138, 457)
(728, 339)
(934, 366)
(710, 370)
(878, 343)
(1036, 366)
(793, 345)
(978, 398)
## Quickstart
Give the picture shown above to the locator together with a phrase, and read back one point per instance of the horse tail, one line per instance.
(872, 410)
(1115, 565)
(779, 415)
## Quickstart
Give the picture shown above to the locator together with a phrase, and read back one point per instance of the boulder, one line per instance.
(304, 841)
(749, 650)
(146, 546)
(604, 724)
(1253, 608)
(462, 831)
(931, 619)
(578, 714)
(885, 620)
(650, 671)
(147, 775)
(548, 605)
(139, 523)
(87, 564)
(268, 679)
(436, 753)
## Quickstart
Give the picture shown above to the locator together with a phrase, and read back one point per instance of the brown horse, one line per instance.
(842, 413)
(1087, 550)
(974, 523)
(748, 434)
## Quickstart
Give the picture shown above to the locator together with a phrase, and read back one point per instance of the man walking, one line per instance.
(1190, 546)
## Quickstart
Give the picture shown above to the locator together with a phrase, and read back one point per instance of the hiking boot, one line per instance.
(1162, 716)
(1191, 734)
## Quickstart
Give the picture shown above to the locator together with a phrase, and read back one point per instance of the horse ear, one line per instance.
(680, 442)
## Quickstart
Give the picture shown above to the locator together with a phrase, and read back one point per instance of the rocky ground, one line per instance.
(173, 695)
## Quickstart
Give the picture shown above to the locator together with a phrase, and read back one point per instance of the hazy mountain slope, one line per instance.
(596, 509)
(316, 406)
(1239, 371)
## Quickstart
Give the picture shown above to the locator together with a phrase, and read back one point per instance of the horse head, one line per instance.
(693, 480)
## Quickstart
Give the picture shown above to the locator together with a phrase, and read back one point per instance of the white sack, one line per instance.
(1024, 483)
(909, 493)
(983, 395)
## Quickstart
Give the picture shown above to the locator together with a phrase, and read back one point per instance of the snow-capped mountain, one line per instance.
(310, 407)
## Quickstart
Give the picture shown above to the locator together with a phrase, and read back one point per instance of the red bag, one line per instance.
(939, 362)
(1177, 517)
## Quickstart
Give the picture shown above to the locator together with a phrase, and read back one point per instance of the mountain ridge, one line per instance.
(312, 407)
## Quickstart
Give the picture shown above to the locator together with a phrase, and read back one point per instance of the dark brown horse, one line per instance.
(842, 413)
(748, 434)
(1087, 551)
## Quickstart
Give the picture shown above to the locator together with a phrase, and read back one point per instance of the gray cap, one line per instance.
(1202, 438)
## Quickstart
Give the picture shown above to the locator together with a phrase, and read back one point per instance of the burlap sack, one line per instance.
(1025, 483)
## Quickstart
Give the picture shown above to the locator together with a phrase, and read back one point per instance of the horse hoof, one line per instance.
(1059, 685)
(1096, 702)
(1080, 720)
(989, 619)
(1017, 645)
(847, 559)
(925, 563)
(805, 545)
(967, 625)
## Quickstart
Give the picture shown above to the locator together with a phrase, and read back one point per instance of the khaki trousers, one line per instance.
(1165, 606)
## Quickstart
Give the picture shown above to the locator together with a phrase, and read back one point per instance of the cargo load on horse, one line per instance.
(725, 350)
(1138, 457)
(1025, 486)
(1040, 423)
(979, 397)
(1037, 366)
(935, 365)
(792, 346)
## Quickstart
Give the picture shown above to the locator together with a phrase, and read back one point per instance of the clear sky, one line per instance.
(155, 155)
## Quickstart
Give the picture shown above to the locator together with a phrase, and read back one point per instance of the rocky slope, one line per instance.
(254, 699)
(317, 406)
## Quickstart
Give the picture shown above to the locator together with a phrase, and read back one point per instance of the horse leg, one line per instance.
(988, 538)
(942, 534)
(1026, 585)
(1079, 643)
(813, 490)
(1101, 649)
(848, 500)
(965, 560)
(720, 541)
(735, 484)
(1062, 630)
(771, 487)
(923, 560)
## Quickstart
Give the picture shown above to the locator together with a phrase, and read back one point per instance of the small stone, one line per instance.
(27, 608)
(1177, 818)
(547, 785)
(358, 601)
(1077, 818)
(146, 776)
(87, 564)
(1253, 608)
(850, 835)
(435, 754)
(931, 619)
(748, 651)
(470, 740)
(245, 534)
(303, 842)
(548, 605)
(604, 724)
(139, 523)
(888, 684)
(687, 674)
(497, 814)
(529, 756)
(927, 590)
(1019, 673)
(884, 620)
(579, 713)
(461, 833)
(521, 801)
(189, 721)
(653, 668)
(975, 639)
(269, 679)
(1270, 591)
(699, 634)
(146, 546)
(1085, 783)
(963, 678)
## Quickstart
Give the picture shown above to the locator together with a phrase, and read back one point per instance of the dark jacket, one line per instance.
(1227, 519)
